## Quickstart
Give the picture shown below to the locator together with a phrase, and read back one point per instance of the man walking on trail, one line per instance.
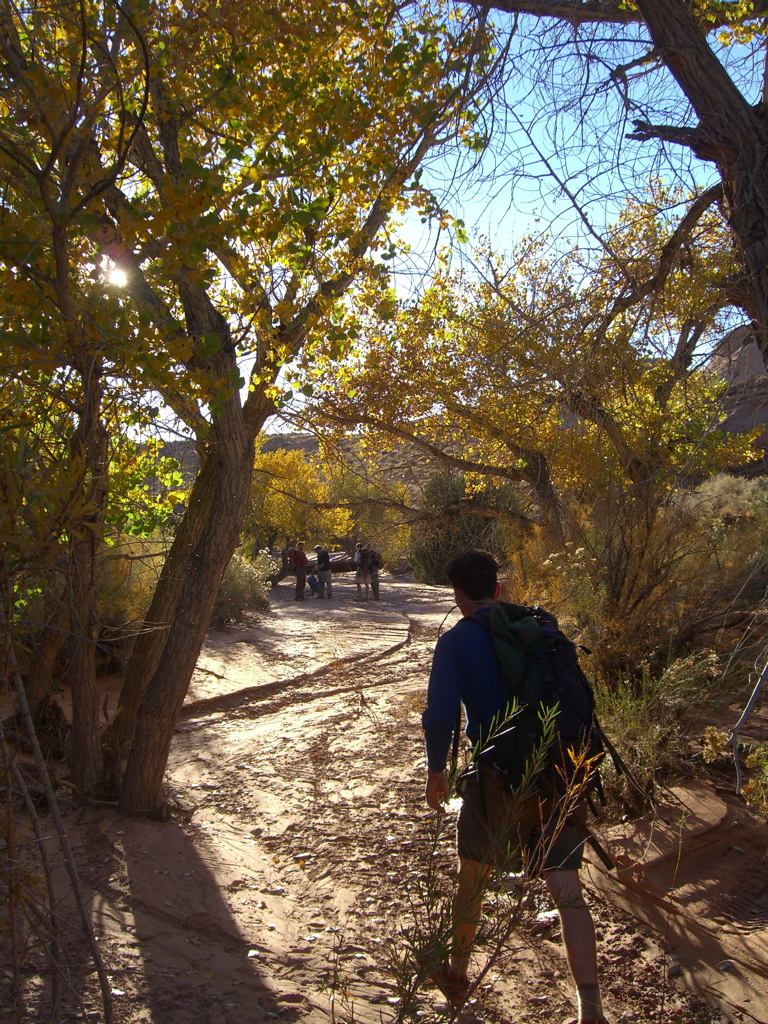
(324, 572)
(465, 671)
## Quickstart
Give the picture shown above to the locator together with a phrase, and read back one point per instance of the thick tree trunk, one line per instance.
(154, 633)
(746, 188)
(83, 746)
(732, 134)
(45, 645)
(537, 475)
(185, 603)
(205, 566)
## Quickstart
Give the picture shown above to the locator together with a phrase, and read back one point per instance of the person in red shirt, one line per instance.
(300, 565)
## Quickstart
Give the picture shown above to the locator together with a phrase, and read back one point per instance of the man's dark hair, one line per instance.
(474, 572)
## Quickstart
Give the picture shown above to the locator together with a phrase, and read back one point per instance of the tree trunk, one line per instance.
(732, 134)
(186, 594)
(83, 745)
(536, 473)
(204, 568)
(154, 633)
(282, 572)
(45, 645)
(746, 187)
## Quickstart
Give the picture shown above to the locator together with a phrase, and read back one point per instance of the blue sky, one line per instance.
(551, 134)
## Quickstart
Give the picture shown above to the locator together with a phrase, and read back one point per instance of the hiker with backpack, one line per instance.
(506, 665)
(363, 574)
(376, 562)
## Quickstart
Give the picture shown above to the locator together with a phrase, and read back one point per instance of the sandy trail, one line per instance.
(300, 843)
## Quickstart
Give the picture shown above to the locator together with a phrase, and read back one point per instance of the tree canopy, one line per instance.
(567, 375)
(187, 193)
(601, 96)
(194, 211)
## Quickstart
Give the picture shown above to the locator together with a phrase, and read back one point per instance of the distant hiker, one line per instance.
(375, 564)
(356, 560)
(497, 827)
(300, 560)
(324, 570)
(314, 584)
(363, 575)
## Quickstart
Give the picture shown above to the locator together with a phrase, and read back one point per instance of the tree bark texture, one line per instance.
(154, 633)
(731, 133)
(204, 568)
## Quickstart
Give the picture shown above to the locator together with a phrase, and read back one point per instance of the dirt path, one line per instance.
(300, 846)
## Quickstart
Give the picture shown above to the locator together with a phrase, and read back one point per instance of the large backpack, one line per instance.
(543, 682)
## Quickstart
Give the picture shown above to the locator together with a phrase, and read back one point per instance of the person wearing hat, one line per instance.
(324, 573)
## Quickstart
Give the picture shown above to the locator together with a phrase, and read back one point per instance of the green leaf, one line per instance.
(208, 345)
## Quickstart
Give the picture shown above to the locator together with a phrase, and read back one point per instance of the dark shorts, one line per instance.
(516, 833)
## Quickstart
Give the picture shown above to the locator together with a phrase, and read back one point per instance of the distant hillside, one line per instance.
(738, 360)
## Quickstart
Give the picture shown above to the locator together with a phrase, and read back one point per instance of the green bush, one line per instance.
(245, 585)
(648, 719)
(458, 516)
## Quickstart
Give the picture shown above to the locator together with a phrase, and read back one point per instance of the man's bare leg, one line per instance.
(579, 940)
(467, 910)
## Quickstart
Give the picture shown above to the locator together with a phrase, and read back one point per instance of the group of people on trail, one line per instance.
(367, 562)
(320, 578)
(533, 827)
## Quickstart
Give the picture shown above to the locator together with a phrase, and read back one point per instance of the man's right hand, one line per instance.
(437, 790)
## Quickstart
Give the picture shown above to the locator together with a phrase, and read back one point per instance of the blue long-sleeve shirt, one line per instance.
(464, 670)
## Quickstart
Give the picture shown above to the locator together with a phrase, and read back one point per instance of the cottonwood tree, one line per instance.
(690, 77)
(289, 500)
(187, 194)
(548, 374)
(70, 78)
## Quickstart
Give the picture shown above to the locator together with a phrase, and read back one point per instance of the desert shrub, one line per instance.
(644, 584)
(126, 575)
(729, 496)
(244, 585)
(650, 722)
(458, 516)
(755, 790)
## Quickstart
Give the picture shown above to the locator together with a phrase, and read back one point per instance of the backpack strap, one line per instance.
(456, 740)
